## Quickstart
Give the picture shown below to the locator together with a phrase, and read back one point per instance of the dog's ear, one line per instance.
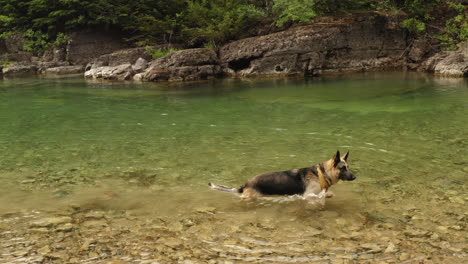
(336, 158)
(346, 156)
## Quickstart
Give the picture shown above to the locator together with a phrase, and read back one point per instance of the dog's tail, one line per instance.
(224, 188)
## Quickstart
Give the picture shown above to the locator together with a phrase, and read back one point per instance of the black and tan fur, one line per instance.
(296, 181)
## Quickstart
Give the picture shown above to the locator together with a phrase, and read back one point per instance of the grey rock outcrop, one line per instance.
(12, 43)
(18, 57)
(83, 47)
(19, 69)
(184, 65)
(122, 57)
(120, 72)
(55, 54)
(449, 63)
(356, 43)
(64, 70)
(140, 65)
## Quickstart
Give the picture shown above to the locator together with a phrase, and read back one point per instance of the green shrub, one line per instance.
(294, 10)
(158, 53)
(35, 41)
(456, 28)
(413, 25)
(5, 63)
(304, 10)
(216, 21)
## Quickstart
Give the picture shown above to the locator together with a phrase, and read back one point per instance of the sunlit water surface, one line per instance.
(146, 152)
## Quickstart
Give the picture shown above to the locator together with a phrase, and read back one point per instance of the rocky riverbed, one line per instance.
(126, 223)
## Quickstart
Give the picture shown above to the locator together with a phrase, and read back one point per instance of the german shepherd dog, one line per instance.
(296, 181)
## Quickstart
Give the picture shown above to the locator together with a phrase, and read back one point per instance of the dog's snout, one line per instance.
(352, 177)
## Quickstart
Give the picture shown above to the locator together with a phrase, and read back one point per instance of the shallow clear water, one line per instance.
(151, 149)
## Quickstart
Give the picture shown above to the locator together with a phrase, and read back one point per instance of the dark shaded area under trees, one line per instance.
(209, 23)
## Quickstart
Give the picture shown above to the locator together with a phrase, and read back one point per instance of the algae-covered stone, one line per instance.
(44, 250)
(206, 210)
(95, 224)
(65, 227)
(51, 221)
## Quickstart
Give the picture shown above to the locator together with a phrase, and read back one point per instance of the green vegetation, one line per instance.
(207, 23)
(158, 53)
(456, 28)
(414, 25)
(4, 63)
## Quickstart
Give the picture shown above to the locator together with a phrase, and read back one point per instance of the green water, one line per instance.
(154, 147)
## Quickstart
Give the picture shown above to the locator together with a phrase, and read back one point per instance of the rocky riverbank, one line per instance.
(329, 45)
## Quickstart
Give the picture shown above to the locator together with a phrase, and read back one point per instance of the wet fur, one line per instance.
(296, 181)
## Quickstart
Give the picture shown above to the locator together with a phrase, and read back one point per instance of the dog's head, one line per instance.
(340, 167)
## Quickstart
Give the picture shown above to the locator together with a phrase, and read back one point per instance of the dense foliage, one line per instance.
(203, 22)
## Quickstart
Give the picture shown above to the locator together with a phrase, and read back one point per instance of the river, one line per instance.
(117, 172)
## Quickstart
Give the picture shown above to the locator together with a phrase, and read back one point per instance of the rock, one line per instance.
(19, 69)
(40, 230)
(456, 250)
(94, 224)
(184, 65)
(156, 75)
(374, 248)
(416, 233)
(463, 48)
(388, 225)
(448, 63)
(313, 231)
(93, 255)
(120, 72)
(125, 56)
(60, 193)
(44, 250)
(351, 43)
(390, 248)
(114, 261)
(140, 65)
(51, 221)
(419, 48)
(456, 200)
(22, 58)
(175, 227)
(138, 77)
(170, 242)
(456, 227)
(83, 47)
(13, 43)
(28, 181)
(442, 229)
(94, 215)
(55, 54)
(404, 256)
(65, 227)
(58, 256)
(65, 70)
(206, 210)
(188, 57)
(86, 244)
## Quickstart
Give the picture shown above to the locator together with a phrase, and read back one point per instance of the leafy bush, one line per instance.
(294, 10)
(456, 28)
(413, 25)
(158, 53)
(216, 21)
(305, 10)
(35, 41)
